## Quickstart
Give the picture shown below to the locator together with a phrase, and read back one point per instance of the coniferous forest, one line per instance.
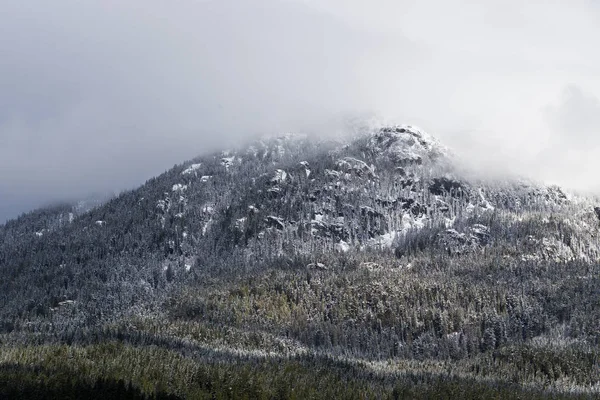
(291, 268)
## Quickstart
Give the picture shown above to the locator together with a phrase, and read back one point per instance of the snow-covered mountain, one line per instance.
(290, 195)
(378, 247)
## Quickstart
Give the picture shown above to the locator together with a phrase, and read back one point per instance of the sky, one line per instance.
(98, 96)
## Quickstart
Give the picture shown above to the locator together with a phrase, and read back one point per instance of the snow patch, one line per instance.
(191, 169)
(483, 203)
(342, 246)
(384, 241)
(227, 162)
(280, 176)
(240, 223)
(179, 187)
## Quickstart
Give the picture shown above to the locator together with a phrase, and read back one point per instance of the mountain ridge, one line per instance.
(377, 248)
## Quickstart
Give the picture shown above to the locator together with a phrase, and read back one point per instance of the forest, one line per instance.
(294, 269)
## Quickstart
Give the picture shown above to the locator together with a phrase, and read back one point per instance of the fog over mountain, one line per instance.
(99, 96)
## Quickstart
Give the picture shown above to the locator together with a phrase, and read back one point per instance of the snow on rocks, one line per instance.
(384, 241)
(406, 145)
(332, 173)
(342, 247)
(480, 234)
(318, 266)
(274, 190)
(370, 266)
(191, 169)
(178, 187)
(306, 168)
(356, 166)
(455, 242)
(275, 222)
(483, 203)
(162, 205)
(280, 176)
(240, 223)
(547, 248)
(227, 162)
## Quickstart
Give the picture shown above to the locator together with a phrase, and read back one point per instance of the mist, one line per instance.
(99, 96)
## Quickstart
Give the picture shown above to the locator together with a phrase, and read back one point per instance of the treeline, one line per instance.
(144, 373)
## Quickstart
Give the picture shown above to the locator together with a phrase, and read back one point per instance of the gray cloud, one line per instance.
(573, 140)
(575, 120)
(101, 95)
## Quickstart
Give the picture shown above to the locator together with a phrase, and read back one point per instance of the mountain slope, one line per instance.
(377, 248)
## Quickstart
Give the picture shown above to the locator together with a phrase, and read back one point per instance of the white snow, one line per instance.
(371, 266)
(317, 266)
(277, 220)
(227, 162)
(484, 203)
(206, 226)
(386, 240)
(280, 176)
(205, 178)
(405, 143)
(40, 233)
(179, 187)
(342, 246)
(356, 165)
(332, 173)
(240, 223)
(191, 169)
(188, 267)
(100, 223)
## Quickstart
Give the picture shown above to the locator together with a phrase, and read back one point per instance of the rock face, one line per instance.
(406, 145)
(455, 243)
(290, 195)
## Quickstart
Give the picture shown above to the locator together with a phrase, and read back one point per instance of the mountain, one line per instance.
(379, 260)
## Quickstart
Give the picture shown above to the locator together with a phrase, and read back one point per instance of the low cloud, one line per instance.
(98, 96)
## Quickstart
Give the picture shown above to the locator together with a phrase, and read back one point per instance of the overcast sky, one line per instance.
(100, 95)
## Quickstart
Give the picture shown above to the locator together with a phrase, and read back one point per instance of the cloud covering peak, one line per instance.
(101, 95)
